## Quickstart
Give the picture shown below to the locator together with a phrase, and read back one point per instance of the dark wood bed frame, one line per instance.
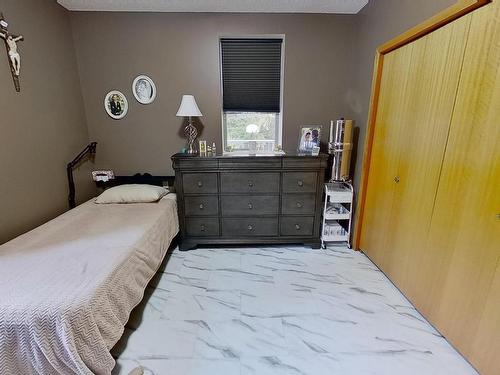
(138, 178)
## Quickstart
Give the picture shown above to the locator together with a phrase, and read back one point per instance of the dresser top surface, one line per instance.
(244, 156)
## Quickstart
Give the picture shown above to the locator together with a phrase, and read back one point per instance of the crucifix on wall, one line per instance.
(13, 55)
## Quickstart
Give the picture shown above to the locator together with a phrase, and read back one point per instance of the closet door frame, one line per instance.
(461, 8)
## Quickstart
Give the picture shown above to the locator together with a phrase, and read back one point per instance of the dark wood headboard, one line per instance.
(138, 178)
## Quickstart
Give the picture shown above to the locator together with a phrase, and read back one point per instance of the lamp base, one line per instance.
(191, 134)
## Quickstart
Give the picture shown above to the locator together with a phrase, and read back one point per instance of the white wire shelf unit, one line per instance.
(337, 213)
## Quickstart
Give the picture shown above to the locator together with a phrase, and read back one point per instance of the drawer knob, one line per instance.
(250, 227)
(202, 206)
(396, 179)
(299, 205)
(250, 183)
(300, 183)
(297, 226)
(202, 228)
(250, 206)
(200, 183)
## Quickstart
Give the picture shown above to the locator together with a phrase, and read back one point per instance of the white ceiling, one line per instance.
(243, 6)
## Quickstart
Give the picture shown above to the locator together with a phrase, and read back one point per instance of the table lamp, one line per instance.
(189, 109)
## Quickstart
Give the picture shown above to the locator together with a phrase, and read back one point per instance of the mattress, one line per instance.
(67, 287)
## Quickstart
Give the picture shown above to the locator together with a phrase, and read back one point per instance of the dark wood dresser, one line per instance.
(249, 199)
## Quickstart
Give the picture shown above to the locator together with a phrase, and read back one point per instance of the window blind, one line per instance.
(251, 74)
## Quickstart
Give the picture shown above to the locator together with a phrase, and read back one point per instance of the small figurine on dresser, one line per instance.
(203, 147)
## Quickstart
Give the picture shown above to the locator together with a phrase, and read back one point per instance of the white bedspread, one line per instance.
(67, 287)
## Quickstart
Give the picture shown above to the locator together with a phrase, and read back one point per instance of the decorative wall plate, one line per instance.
(144, 89)
(115, 104)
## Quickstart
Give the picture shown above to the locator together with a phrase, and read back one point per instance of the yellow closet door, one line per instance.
(386, 150)
(418, 87)
(464, 240)
(486, 345)
(432, 86)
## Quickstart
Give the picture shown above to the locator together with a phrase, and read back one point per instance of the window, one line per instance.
(251, 71)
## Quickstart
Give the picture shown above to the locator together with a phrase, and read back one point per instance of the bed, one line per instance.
(67, 287)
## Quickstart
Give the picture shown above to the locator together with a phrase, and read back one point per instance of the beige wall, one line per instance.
(379, 22)
(328, 67)
(180, 52)
(43, 126)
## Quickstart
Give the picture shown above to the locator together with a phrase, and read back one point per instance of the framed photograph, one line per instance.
(309, 138)
(115, 104)
(203, 147)
(103, 175)
(144, 89)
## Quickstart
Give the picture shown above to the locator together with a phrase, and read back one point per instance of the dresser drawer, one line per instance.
(250, 182)
(196, 163)
(199, 183)
(249, 205)
(298, 204)
(257, 162)
(299, 182)
(201, 227)
(297, 226)
(201, 206)
(306, 162)
(242, 227)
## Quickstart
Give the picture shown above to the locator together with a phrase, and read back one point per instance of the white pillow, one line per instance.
(133, 193)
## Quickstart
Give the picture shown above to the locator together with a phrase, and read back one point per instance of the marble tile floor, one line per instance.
(279, 310)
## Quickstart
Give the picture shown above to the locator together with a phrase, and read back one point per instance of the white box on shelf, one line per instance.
(341, 197)
(336, 211)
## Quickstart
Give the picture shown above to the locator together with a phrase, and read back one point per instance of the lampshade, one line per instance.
(188, 107)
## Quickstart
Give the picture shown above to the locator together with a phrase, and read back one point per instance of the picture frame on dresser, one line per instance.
(226, 200)
(309, 139)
